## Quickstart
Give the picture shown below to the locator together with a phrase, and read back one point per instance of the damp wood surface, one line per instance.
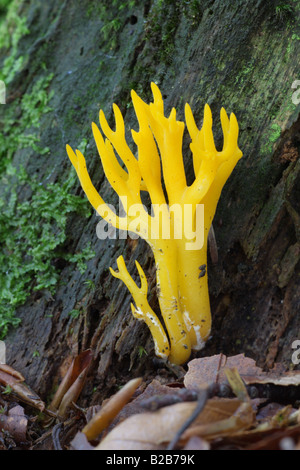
(243, 56)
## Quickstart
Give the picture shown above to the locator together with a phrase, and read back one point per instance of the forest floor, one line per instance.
(216, 403)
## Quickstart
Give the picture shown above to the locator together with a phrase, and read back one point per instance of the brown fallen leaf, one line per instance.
(148, 431)
(154, 392)
(71, 385)
(80, 442)
(110, 409)
(273, 440)
(15, 423)
(154, 430)
(196, 443)
(204, 371)
(208, 370)
(155, 396)
(183, 421)
(268, 411)
(229, 423)
(238, 421)
(237, 385)
(264, 437)
(11, 378)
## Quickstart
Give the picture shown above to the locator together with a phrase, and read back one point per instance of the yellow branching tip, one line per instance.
(157, 167)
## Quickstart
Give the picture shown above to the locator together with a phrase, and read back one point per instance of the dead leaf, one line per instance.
(9, 376)
(272, 440)
(110, 410)
(229, 422)
(204, 371)
(208, 370)
(148, 431)
(196, 443)
(72, 384)
(268, 438)
(15, 423)
(238, 420)
(80, 442)
(154, 390)
(236, 384)
(268, 411)
(13, 379)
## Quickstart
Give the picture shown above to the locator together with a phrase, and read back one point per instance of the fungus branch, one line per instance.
(142, 309)
(177, 228)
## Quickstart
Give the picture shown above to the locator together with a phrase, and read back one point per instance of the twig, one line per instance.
(202, 398)
(55, 436)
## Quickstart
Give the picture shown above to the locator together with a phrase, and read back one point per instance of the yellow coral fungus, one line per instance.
(181, 216)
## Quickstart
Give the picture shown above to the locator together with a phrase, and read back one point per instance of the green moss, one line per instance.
(244, 72)
(32, 235)
(11, 31)
(81, 258)
(284, 10)
(271, 138)
(295, 37)
(280, 111)
(19, 128)
(163, 21)
(75, 313)
(110, 12)
(4, 4)
(101, 9)
(275, 132)
(33, 229)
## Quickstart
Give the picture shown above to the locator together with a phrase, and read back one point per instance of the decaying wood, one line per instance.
(231, 55)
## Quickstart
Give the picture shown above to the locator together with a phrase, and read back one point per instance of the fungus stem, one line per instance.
(168, 296)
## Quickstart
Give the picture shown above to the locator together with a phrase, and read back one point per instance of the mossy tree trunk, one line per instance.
(240, 55)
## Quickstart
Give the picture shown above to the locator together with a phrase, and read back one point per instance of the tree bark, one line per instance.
(243, 56)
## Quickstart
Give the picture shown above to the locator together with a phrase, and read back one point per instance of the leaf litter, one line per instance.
(220, 403)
